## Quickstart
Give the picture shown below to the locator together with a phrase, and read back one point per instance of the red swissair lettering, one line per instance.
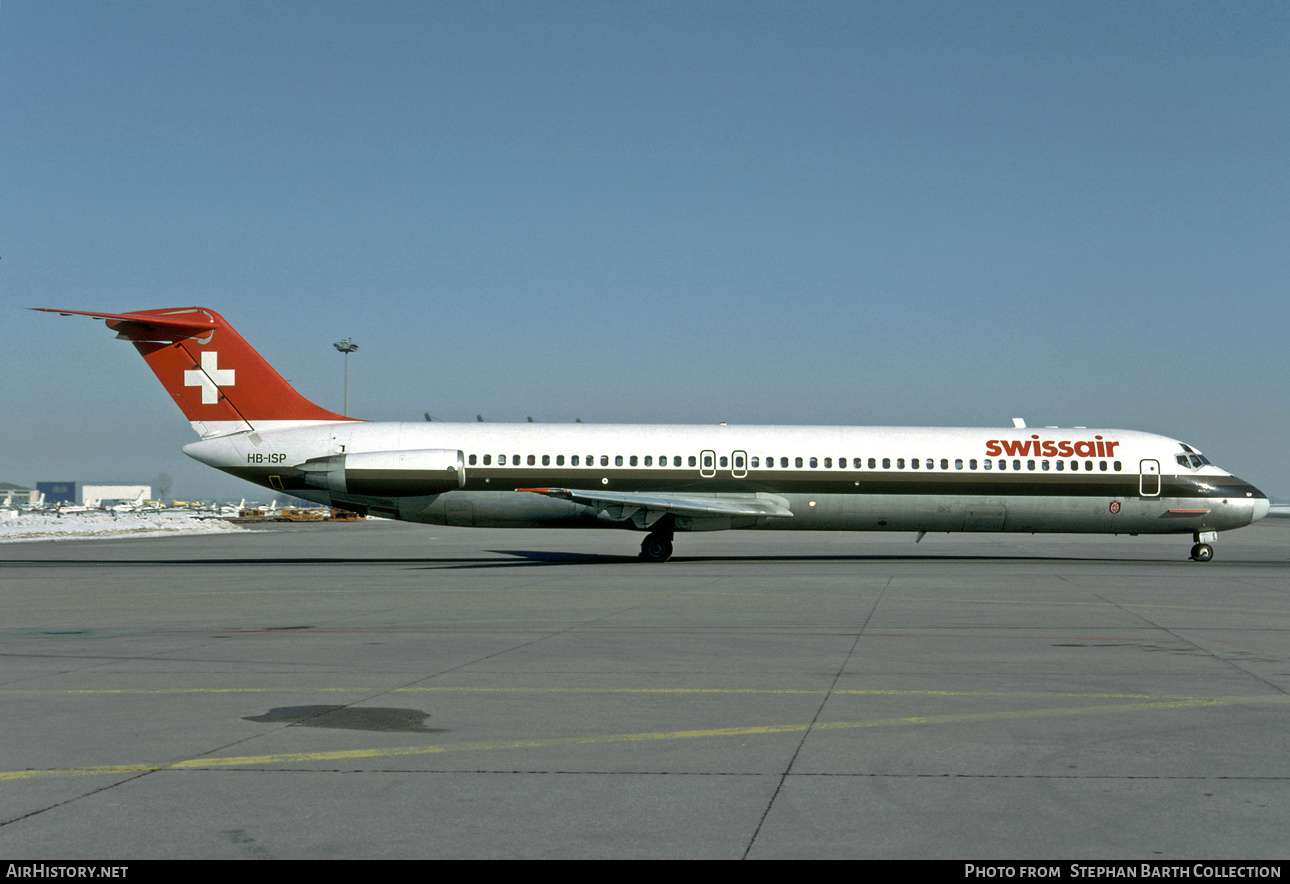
(1095, 447)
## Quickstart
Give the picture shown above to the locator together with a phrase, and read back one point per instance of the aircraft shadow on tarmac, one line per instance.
(537, 558)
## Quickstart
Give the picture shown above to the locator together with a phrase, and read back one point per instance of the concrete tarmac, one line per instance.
(397, 691)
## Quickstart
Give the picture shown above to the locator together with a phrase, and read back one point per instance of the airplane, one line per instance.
(135, 506)
(664, 479)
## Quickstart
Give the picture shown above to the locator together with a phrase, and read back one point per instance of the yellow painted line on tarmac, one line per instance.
(292, 758)
(865, 692)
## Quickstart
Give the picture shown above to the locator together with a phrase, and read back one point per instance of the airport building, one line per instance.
(15, 494)
(57, 492)
(94, 495)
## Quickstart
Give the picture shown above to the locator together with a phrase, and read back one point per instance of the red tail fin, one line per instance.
(218, 380)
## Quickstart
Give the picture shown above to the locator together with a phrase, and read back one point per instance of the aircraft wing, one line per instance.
(648, 508)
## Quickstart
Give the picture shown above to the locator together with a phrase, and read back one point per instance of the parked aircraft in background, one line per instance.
(660, 479)
(134, 506)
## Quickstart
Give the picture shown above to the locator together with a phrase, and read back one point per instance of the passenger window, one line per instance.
(633, 461)
(692, 460)
(797, 461)
(972, 463)
(722, 461)
(501, 460)
(488, 459)
(814, 463)
(1016, 464)
(900, 463)
(913, 463)
(755, 463)
(546, 460)
(855, 463)
(1088, 466)
(649, 460)
(783, 463)
(707, 461)
(958, 463)
(739, 461)
(1030, 464)
(886, 463)
(604, 460)
(989, 464)
(559, 460)
(472, 460)
(618, 460)
(945, 464)
(1044, 464)
(1117, 466)
(828, 463)
(532, 460)
(1101, 465)
(1061, 465)
(873, 463)
(573, 461)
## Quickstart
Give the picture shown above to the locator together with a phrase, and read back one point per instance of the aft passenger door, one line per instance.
(1149, 478)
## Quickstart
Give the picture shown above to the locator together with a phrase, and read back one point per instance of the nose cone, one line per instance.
(1261, 507)
(1256, 502)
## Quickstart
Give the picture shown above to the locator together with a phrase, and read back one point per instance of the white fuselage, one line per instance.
(827, 478)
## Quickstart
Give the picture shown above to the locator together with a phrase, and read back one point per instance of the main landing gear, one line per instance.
(657, 546)
(1202, 551)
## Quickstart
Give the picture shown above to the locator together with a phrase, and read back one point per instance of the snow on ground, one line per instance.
(16, 527)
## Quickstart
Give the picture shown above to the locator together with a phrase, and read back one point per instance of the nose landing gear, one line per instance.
(1202, 551)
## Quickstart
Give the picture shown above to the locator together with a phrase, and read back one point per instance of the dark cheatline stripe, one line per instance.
(933, 482)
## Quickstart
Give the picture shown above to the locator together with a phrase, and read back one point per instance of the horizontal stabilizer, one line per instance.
(193, 325)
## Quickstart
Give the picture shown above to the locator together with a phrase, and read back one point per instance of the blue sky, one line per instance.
(946, 213)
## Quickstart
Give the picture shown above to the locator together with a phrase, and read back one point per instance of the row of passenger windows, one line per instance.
(857, 463)
(576, 460)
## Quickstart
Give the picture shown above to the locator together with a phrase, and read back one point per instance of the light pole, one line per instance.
(346, 346)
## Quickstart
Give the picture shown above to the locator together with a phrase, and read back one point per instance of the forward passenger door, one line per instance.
(1149, 478)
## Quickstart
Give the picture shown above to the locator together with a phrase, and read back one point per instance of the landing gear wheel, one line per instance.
(1202, 552)
(656, 549)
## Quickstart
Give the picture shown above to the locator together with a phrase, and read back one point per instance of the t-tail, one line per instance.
(218, 380)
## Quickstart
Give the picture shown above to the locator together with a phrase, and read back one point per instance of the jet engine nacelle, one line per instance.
(388, 473)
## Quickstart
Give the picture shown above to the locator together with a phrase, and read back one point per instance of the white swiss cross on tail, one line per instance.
(209, 377)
